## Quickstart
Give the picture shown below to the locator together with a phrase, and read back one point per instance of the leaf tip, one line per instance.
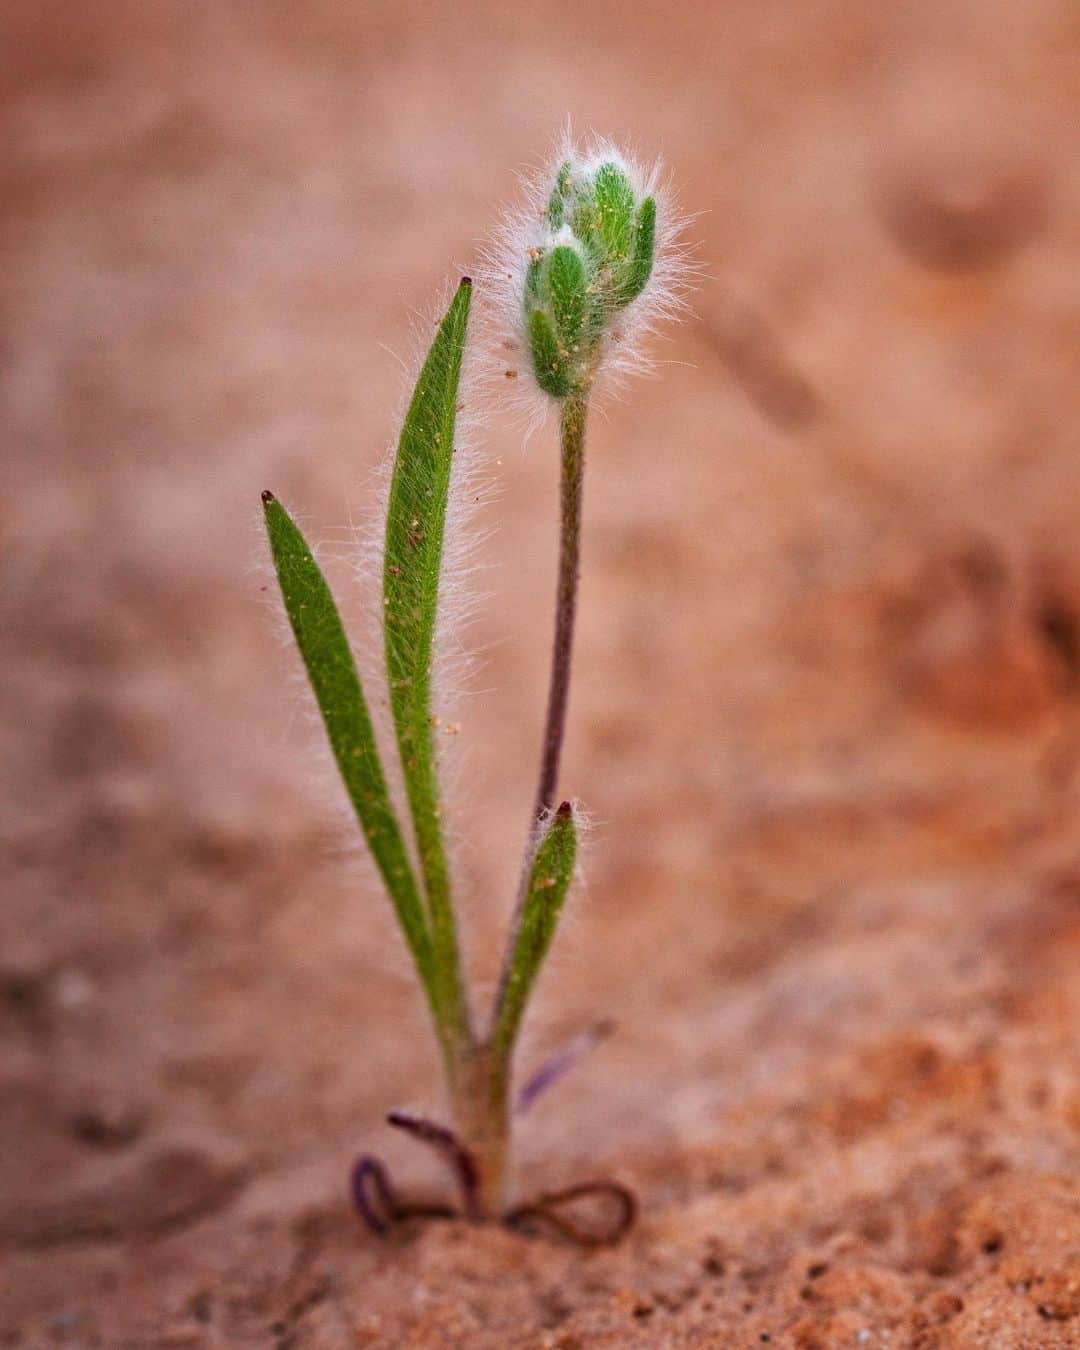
(565, 811)
(267, 497)
(466, 281)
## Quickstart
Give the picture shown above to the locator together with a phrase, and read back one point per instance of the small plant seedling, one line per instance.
(586, 270)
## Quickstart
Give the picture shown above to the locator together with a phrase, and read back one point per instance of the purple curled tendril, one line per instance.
(544, 1212)
(379, 1205)
(373, 1195)
(447, 1145)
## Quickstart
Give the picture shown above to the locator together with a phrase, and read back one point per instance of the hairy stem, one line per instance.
(572, 427)
(481, 1087)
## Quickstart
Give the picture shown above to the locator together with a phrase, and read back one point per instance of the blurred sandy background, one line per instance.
(825, 713)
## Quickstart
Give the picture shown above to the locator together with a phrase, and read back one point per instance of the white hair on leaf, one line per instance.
(454, 661)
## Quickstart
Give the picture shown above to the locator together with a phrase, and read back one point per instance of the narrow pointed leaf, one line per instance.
(338, 692)
(549, 880)
(416, 518)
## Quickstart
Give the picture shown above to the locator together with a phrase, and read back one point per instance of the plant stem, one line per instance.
(572, 427)
(572, 431)
(479, 1070)
(482, 1124)
(483, 1080)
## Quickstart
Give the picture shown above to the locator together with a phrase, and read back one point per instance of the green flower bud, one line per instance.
(595, 257)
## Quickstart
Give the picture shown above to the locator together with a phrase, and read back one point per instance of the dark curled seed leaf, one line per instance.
(447, 1145)
(380, 1206)
(373, 1195)
(553, 1211)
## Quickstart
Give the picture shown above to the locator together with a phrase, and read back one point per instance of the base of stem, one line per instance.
(482, 1126)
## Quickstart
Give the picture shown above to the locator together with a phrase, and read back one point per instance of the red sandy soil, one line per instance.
(826, 717)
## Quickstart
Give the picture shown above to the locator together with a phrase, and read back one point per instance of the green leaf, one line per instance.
(584, 217)
(338, 692)
(566, 286)
(614, 211)
(547, 356)
(532, 276)
(415, 522)
(641, 263)
(557, 200)
(549, 880)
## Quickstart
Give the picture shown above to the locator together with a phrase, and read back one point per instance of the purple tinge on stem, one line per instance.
(553, 1069)
(446, 1143)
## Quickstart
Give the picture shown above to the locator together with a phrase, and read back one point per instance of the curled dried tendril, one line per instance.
(588, 1214)
(554, 1212)
(378, 1203)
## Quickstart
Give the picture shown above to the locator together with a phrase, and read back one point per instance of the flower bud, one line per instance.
(593, 257)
